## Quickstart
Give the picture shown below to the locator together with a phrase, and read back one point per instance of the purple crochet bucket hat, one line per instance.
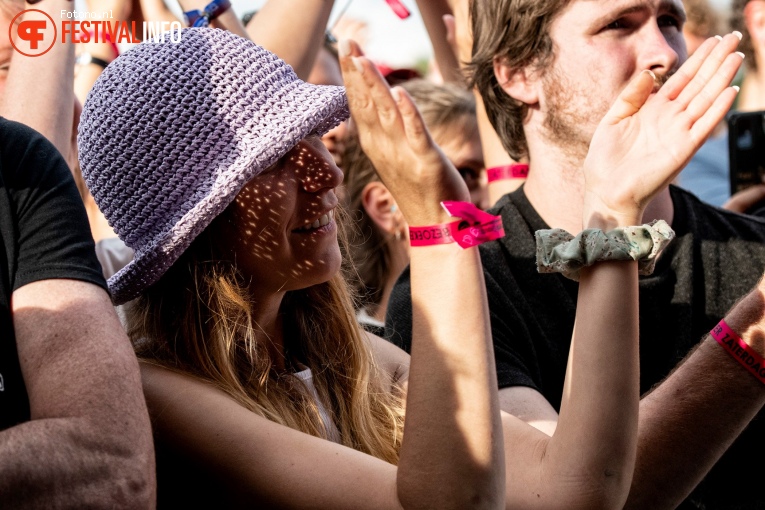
(171, 132)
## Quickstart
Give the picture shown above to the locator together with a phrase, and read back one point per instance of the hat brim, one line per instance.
(327, 108)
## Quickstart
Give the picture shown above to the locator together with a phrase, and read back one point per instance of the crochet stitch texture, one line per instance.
(171, 132)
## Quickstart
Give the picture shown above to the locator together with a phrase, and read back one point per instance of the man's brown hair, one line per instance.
(518, 33)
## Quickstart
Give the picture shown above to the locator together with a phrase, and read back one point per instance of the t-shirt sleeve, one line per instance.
(53, 238)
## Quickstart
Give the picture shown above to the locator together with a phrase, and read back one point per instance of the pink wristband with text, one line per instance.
(476, 227)
(739, 349)
(514, 171)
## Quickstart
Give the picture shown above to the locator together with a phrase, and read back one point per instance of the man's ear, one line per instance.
(379, 204)
(754, 17)
(522, 84)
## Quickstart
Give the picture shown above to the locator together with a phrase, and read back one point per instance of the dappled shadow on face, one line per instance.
(280, 227)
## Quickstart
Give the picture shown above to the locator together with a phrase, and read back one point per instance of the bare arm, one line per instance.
(432, 12)
(47, 109)
(682, 438)
(297, 42)
(226, 21)
(459, 33)
(89, 442)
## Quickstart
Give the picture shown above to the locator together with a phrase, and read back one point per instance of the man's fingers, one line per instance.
(708, 70)
(713, 116)
(688, 70)
(716, 85)
(632, 98)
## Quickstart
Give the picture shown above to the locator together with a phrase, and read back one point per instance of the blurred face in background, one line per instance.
(326, 71)
(461, 143)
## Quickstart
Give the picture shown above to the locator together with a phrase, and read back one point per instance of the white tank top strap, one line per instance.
(307, 377)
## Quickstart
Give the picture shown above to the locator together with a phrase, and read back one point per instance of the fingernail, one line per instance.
(651, 73)
(396, 93)
(738, 34)
(737, 88)
(357, 64)
(718, 37)
(740, 55)
(344, 48)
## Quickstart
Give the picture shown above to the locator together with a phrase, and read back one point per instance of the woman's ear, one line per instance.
(754, 17)
(379, 204)
(519, 83)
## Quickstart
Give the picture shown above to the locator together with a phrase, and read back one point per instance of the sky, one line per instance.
(390, 40)
(395, 42)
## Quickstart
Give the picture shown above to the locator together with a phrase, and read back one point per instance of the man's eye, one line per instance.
(470, 176)
(670, 21)
(615, 25)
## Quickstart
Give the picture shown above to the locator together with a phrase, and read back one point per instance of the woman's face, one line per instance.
(280, 230)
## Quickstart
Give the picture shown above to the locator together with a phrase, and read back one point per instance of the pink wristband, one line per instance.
(399, 8)
(476, 227)
(514, 171)
(739, 349)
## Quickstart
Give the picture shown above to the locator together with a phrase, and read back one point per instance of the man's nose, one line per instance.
(657, 53)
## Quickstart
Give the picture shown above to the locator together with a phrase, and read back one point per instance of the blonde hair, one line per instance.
(198, 320)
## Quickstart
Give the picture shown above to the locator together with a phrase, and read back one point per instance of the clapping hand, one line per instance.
(647, 138)
(393, 135)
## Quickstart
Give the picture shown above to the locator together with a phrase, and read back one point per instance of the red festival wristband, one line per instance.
(739, 349)
(476, 227)
(514, 171)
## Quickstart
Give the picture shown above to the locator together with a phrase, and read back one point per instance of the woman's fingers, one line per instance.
(414, 127)
(379, 92)
(708, 70)
(359, 99)
(632, 98)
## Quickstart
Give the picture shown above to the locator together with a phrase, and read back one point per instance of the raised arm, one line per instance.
(296, 41)
(680, 440)
(433, 12)
(39, 92)
(227, 20)
(451, 391)
(89, 441)
(459, 35)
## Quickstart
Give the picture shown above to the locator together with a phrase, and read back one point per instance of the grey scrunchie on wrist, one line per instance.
(560, 252)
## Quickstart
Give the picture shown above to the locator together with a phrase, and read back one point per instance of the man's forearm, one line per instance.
(67, 463)
(681, 431)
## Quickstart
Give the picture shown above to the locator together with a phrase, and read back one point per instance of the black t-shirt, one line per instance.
(716, 258)
(44, 234)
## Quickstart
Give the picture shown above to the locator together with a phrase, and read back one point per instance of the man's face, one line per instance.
(600, 45)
